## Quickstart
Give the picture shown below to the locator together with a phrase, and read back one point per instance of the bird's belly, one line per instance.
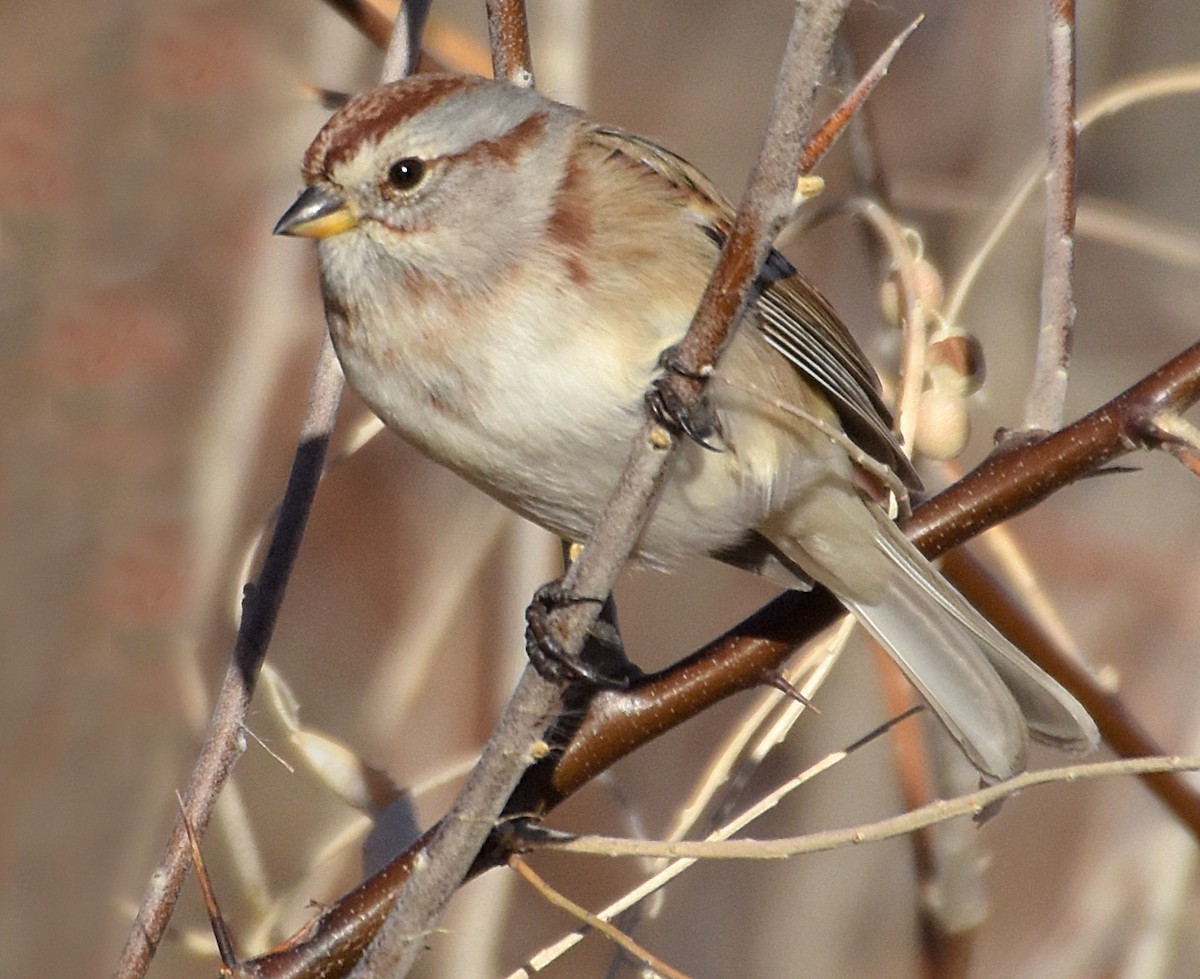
(552, 449)
(544, 420)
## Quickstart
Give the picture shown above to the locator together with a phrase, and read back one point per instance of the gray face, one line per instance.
(426, 166)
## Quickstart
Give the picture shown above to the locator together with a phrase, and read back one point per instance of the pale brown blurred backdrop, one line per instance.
(157, 345)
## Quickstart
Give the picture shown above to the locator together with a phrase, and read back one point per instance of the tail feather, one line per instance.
(942, 659)
(1053, 715)
(985, 691)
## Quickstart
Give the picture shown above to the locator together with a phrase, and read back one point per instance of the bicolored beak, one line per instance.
(316, 214)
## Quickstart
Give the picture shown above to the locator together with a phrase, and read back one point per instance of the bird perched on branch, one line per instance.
(505, 275)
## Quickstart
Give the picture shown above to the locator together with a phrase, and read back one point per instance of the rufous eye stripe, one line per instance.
(508, 147)
(367, 117)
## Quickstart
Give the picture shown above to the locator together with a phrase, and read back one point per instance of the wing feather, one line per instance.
(793, 317)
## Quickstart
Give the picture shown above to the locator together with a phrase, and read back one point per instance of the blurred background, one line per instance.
(157, 346)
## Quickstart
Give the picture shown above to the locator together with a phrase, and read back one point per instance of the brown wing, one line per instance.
(794, 318)
(798, 322)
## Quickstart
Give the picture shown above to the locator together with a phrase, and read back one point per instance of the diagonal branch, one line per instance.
(260, 606)
(1002, 487)
(766, 206)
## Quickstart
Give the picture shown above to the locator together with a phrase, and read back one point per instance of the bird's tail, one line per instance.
(986, 692)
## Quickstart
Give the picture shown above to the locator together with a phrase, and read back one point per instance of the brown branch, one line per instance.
(750, 652)
(853, 104)
(1047, 396)
(260, 607)
(508, 33)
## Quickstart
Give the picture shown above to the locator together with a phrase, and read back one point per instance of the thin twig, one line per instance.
(1136, 91)
(220, 929)
(508, 32)
(608, 930)
(404, 41)
(852, 104)
(974, 804)
(914, 316)
(260, 606)
(676, 867)
(1048, 394)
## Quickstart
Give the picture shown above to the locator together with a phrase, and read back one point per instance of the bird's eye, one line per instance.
(407, 173)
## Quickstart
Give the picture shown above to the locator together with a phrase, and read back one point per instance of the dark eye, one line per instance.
(407, 173)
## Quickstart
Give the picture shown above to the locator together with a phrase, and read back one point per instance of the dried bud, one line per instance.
(955, 363)
(943, 424)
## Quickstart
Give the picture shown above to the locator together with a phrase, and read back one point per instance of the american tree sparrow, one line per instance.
(509, 274)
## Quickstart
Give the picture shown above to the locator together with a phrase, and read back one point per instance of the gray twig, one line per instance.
(1047, 396)
(766, 206)
(260, 606)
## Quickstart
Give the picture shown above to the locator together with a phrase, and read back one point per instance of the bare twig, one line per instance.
(1044, 407)
(609, 931)
(914, 316)
(448, 853)
(974, 805)
(852, 104)
(260, 606)
(676, 867)
(508, 31)
(1135, 91)
(404, 41)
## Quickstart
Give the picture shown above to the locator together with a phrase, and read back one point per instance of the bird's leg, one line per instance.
(697, 421)
(602, 661)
